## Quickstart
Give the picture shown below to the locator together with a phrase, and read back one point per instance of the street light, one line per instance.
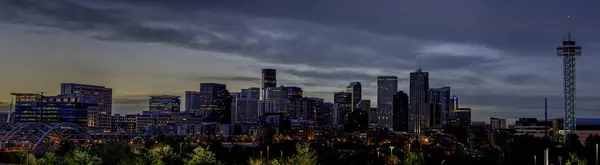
(267, 152)
(596, 153)
(391, 150)
(180, 147)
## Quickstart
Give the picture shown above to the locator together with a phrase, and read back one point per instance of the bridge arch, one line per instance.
(54, 128)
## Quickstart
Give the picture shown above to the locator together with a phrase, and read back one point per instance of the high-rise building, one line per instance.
(98, 117)
(318, 109)
(245, 106)
(300, 109)
(283, 92)
(400, 112)
(435, 115)
(443, 97)
(192, 101)
(462, 115)
(356, 90)
(344, 105)
(211, 95)
(269, 79)
(418, 115)
(325, 116)
(165, 103)
(497, 123)
(358, 120)
(387, 86)
(373, 116)
(124, 124)
(72, 108)
(364, 105)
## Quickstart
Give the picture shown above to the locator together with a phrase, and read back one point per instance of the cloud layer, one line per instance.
(489, 52)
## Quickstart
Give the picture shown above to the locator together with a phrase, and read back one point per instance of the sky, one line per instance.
(499, 57)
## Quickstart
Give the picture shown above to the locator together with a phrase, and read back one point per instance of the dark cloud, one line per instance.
(227, 79)
(345, 76)
(522, 79)
(385, 35)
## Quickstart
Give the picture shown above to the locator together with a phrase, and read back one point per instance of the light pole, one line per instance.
(596, 153)
(391, 150)
(267, 152)
(534, 159)
(180, 147)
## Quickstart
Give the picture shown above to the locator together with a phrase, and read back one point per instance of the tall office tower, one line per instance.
(372, 115)
(400, 112)
(435, 115)
(325, 116)
(250, 93)
(215, 102)
(387, 86)
(335, 114)
(365, 105)
(356, 89)
(283, 92)
(245, 105)
(497, 123)
(192, 101)
(318, 109)
(300, 109)
(357, 121)
(344, 105)
(443, 97)
(164, 103)
(463, 115)
(269, 80)
(100, 116)
(72, 108)
(418, 115)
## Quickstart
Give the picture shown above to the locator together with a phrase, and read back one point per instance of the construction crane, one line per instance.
(569, 51)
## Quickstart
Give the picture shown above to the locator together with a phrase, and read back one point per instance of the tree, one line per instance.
(27, 158)
(160, 154)
(304, 156)
(414, 158)
(80, 157)
(575, 160)
(49, 159)
(201, 157)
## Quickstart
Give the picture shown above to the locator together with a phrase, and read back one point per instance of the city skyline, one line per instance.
(493, 66)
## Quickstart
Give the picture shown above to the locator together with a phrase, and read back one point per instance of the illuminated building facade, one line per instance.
(245, 105)
(72, 108)
(269, 80)
(164, 103)
(157, 123)
(356, 90)
(98, 117)
(387, 86)
(343, 106)
(192, 101)
(216, 102)
(418, 114)
(124, 124)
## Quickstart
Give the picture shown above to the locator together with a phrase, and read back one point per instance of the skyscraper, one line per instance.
(164, 103)
(443, 97)
(192, 101)
(400, 112)
(418, 115)
(98, 117)
(216, 102)
(356, 89)
(387, 86)
(343, 101)
(245, 106)
(269, 79)
(364, 105)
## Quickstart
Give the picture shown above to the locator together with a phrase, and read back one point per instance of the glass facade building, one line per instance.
(72, 108)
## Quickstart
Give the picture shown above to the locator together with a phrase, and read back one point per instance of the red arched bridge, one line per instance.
(32, 137)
